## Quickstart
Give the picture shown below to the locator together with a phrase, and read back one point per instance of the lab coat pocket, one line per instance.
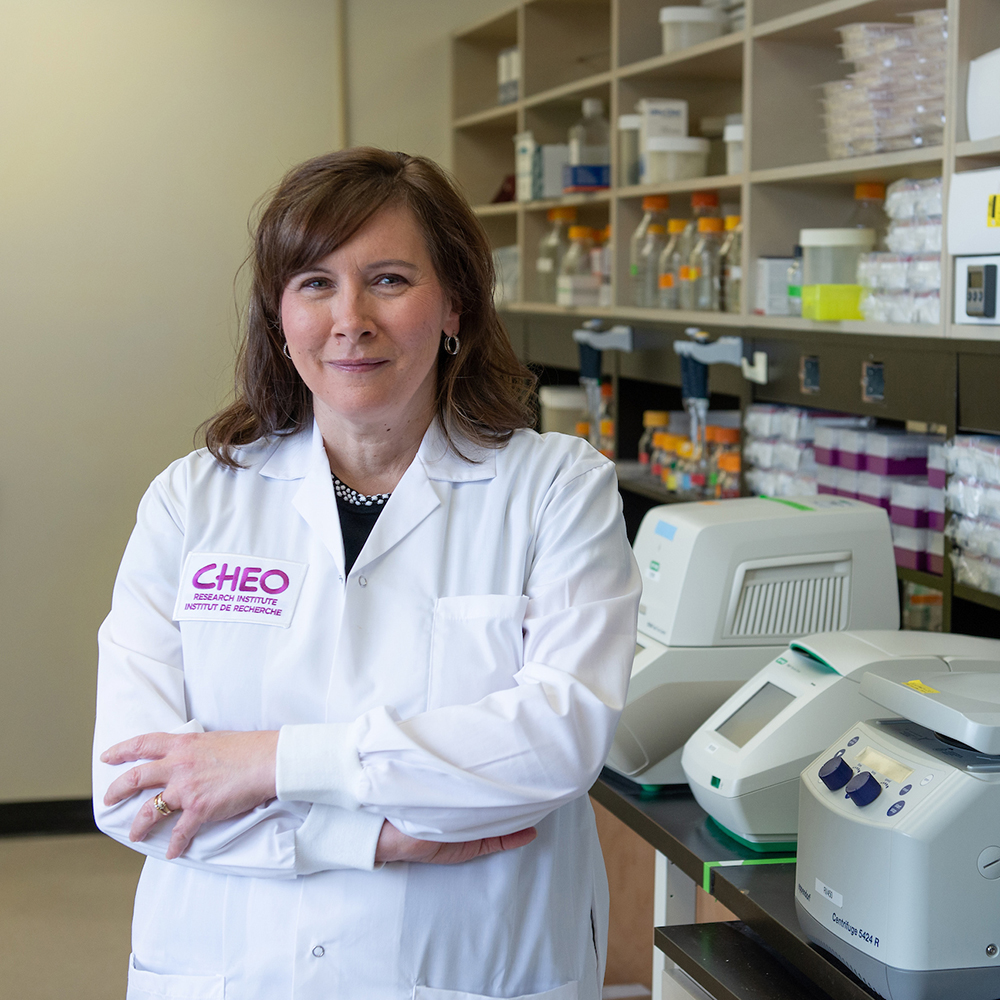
(153, 986)
(476, 647)
(567, 991)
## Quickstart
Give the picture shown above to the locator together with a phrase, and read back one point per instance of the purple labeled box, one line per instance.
(896, 453)
(826, 479)
(826, 445)
(847, 483)
(851, 453)
(909, 503)
(937, 475)
(935, 552)
(935, 508)
(910, 546)
(875, 489)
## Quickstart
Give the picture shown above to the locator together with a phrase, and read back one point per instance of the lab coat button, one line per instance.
(319, 951)
(362, 581)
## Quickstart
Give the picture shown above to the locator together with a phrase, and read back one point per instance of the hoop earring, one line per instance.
(284, 350)
(450, 343)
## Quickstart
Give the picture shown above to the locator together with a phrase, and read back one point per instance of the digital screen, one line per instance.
(975, 277)
(871, 759)
(754, 714)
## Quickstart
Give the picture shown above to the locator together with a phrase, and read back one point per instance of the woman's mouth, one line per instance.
(357, 365)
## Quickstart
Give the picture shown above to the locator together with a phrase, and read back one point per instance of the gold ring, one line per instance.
(161, 807)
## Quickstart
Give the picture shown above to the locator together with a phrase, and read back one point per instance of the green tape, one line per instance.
(706, 878)
(788, 503)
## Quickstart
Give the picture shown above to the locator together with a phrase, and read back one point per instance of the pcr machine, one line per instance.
(743, 764)
(898, 870)
(725, 585)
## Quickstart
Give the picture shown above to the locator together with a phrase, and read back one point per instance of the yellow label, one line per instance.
(922, 687)
(993, 212)
(689, 273)
(667, 280)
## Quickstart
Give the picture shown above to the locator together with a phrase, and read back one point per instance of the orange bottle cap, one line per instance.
(656, 229)
(583, 429)
(607, 390)
(710, 225)
(704, 199)
(655, 418)
(732, 221)
(655, 203)
(728, 435)
(579, 232)
(730, 462)
(676, 226)
(869, 189)
(566, 213)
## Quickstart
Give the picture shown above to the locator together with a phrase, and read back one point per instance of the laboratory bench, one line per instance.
(763, 954)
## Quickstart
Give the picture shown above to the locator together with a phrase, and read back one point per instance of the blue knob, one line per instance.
(836, 773)
(863, 788)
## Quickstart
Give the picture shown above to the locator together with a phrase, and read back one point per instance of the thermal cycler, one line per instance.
(898, 870)
(725, 585)
(743, 764)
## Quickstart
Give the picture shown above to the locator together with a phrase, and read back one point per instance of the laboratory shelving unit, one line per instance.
(940, 374)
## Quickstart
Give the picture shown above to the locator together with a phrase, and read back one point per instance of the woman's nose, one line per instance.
(351, 317)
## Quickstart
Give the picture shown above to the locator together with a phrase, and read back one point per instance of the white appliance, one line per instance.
(898, 870)
(743, 764)
(974, 242)
(725, 585)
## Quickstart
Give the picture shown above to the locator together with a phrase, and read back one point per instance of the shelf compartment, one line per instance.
(474, 63)
(856, 327)
(976, 596)
(978, 32)
(591, 211)
(922, 579)
(817, 24)
(723, 183)
(640, 37)
(550, 119)
(573, 93)
(916, 163)
(977, 155)
(483, 155)
(565, 41)
(717, 59)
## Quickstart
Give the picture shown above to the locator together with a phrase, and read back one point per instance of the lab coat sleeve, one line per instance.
(141, 690)
(503, 763)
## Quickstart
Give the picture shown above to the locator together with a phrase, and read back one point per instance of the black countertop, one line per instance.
(765, 954)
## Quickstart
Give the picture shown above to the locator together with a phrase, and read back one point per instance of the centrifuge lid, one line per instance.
(964, 706)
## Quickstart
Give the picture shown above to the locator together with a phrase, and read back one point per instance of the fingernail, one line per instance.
(105, 757)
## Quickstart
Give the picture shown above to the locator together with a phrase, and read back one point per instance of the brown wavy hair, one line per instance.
(484, 393)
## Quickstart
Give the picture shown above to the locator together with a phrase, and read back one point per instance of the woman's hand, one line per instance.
(204, 777)
(396, 846)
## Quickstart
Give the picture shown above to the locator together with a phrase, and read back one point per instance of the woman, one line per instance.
(370, 646)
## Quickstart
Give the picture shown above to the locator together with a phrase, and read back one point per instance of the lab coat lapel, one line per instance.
(425, 485)
(315, 499)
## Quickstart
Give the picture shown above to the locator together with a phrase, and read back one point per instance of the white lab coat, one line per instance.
(464, 680)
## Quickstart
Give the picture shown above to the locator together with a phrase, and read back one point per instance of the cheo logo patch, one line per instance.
(231, 587)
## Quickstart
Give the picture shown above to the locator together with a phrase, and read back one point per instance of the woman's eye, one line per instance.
(390, 280)
(316, 283)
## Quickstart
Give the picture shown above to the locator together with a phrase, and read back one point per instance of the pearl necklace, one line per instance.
(345, 493)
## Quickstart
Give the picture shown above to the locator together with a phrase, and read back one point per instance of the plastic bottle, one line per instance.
(601, 260)
(731, 266)
(575, 285)
(869, 210)
(653, 422)
(794, 282)
(551, 250)
(704, 205)
(641, 247)
(670, 264)
(703, 265)
(590, 138)
(606, 425)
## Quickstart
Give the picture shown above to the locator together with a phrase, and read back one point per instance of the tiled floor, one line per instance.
(65, 910)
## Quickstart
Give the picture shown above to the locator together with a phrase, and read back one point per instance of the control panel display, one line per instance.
(754, 714)
(981, 290)
(874, 760)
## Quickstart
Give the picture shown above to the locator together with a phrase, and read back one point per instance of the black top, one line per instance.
(356, 525)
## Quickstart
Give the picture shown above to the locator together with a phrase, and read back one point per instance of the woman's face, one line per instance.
(364, 326)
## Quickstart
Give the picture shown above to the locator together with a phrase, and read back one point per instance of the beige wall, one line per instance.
(134, 138)
(398, 70)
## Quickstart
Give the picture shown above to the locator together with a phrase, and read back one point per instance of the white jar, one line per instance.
(686, 26)
(732, 135)
(830, 256)
(674, 158)
(562, 407)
